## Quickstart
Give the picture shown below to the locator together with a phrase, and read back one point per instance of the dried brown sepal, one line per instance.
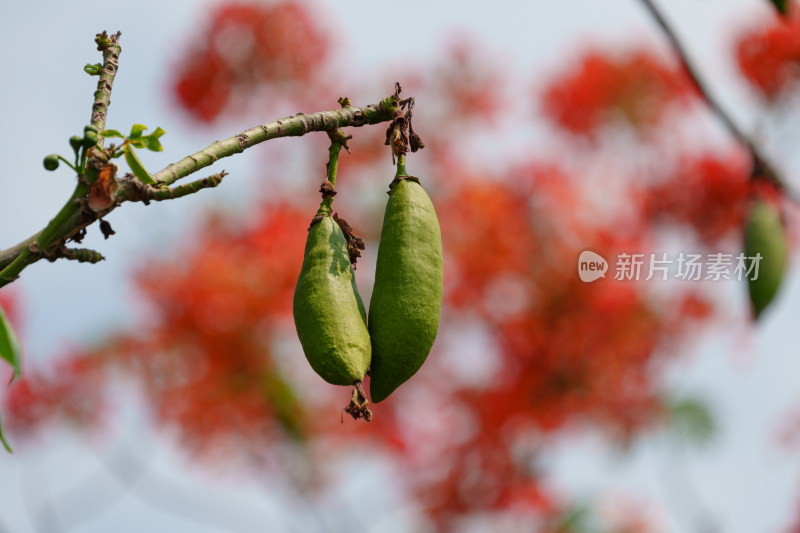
(346, 228)
(397, 134)
(357, 408)
(400, 134)
(106, 230)
(354, 243)
(78, 237)
(354, 248)
(415, 141)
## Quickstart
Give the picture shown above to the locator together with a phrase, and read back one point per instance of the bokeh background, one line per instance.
(165, 389)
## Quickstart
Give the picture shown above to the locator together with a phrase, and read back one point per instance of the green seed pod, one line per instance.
(90, 127)
(76, 141)
(51, 162)
(407, 298)
(89, 139)
(764, 235)
(328, 312)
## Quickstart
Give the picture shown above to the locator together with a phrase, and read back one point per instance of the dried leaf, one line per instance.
(101, 194)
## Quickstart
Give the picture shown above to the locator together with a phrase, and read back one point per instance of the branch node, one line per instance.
(760, 162)
(326, 188)
(243, 141)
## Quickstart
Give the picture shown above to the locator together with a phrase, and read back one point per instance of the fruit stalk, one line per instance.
(329, 314)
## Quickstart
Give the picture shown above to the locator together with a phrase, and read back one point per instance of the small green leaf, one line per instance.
(9, 345)
(157, 133)
(111, 133)
(151, 141)
(136, 166)
(3, 439)
(93, 69)
(152, 144)
(136, 131)
(137, 143)
(781, 5)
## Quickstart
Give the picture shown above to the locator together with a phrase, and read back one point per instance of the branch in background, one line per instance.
(781, 5)
(75, 216)
(762, 168)
(133, 477)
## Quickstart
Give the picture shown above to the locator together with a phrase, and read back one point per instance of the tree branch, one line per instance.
(74, 217)
(110, 48)
(762, 168)
(297, 125)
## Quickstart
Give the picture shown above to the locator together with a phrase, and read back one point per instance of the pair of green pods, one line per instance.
(338, 340)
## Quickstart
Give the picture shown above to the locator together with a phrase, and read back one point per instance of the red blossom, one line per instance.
(72, 390)
(207, 362)
(769, 55)
(637, 88)
(245, 47)
(708, 195)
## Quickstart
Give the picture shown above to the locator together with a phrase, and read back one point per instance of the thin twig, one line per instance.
(81, 255)
(762, 168)
(185, 189)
